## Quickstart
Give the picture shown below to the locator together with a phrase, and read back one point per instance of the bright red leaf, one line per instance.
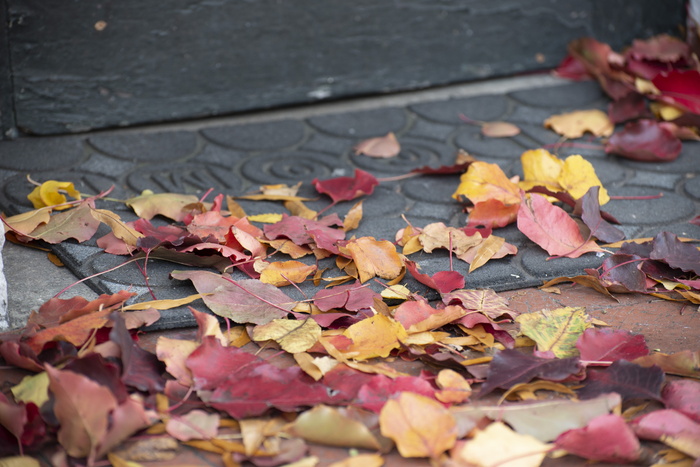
(347, 188)
(607, 345)
(681, 88)
(442, 281)
(606, 438)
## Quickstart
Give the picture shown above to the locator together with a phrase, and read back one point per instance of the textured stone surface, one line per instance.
(236, 159)
(77, 66)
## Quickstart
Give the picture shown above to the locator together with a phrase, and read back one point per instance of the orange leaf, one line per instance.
(454, 388)
(383, 147)
(375, 258)
(283, 273)
(374, 337)
(484, 181)
(493, 213)
(421, 427)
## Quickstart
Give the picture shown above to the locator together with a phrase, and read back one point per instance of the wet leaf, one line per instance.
(484, 181)
(375, 258)
(382, 147)
(419, 426)
(347, 188)
(606, 438)
(607, 345)
(51, 193)
(293, 336)
(244, 301)
(555, 331)
(575, 124)
(511, 367)
(551, 228)
(498, 445)
(629, 380)
(645, 140)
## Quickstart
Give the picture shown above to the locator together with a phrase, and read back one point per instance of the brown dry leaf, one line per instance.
(375, 258)
(498, 445)
(374, 337)
(486, 250)
(26, 222)
(420, 427)
(119, 228)
(454, 389)
(484, 181)
(281, 273)
(438, 235)
(499, 129)
(381, 147)
(292, 335)
(575, 124)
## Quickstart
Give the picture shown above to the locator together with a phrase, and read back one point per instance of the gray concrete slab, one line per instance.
(236, 155)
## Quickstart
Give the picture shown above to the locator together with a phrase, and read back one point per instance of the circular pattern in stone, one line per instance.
(686, 163)
(570, 95)
(31, 154)
(692, 187)
(482, 108)
(258, 136)
(669, 208)
(414, 153)
(187, 178)
(161, 146)
(16, 189)
(475, 143)
(683, 229)
(431, 188)
(362, 124)
(294, 167)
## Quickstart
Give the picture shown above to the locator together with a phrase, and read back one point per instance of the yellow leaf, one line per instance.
(526, 391)
(20, 461)
(486, 250)
(50, 193)
(438, 235)
(353, 218)
(498, 445)
(119, 228)
(484, 181)
(283, 273)
(292, 335)
(375, 258)
(164, 304)
(575, 124)
(32, 388)
(374, 337)
(315, 367)
(557, 330)
(298, 208)
(664, 111)
(117, 461)
(270, 218)
(171, 205)
(540, 167)
(421, 427)
(454, 388)
(578, 175)
(26, 222)
(333, 427)
(396, 292)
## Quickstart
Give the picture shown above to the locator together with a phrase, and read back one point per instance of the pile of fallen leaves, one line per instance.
(566, 384)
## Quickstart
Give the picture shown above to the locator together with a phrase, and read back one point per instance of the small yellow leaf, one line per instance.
(421, 427)
(578, 175)
(298, 208)
(333, 427)
(32, 388)
(353, 218)
(575, 124)
(454, 388)
(374, 337)
(396, 292)
(165, 304)
(292, 335)
(50, 193)
(283, 273)
(486, 250)
(484, 181)
(270, 218)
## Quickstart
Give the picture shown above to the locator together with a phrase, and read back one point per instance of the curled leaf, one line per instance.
(51, 193)
(382, 147)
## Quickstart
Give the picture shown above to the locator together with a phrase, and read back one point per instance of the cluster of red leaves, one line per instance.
(661, 70)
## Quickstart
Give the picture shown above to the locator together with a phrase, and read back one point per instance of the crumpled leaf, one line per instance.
(551, 228)
(50, 193)
(629, 380)
(484, 181)
(347, 188)
(607, 345)
(606, 438)
(196, 424)
(575, 124)
(381, 147)
(420, 427)
(375, 258)
(555, 331)
(545, 420)
(171, 205)
(645, 140)
(498, 445)
(281, 273)
(244, 301)
(684, 396)
(293, 336)
(510, 367)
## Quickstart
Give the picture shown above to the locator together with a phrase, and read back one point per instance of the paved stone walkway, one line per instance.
(236, 156)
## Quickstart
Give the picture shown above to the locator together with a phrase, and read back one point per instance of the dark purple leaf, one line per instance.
(680, 88)
(140, 369)
(645, 140)
(630, 107)
(590, 214)
(621, 269)
(629, 380)
(683, 256)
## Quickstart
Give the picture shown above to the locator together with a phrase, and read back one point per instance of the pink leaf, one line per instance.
(684, 396)
(381, 147)
(374, 394)
(351, 297)
(645, 140)
(611, 345)
(347, 188)
(606, 438)
(551, 228)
